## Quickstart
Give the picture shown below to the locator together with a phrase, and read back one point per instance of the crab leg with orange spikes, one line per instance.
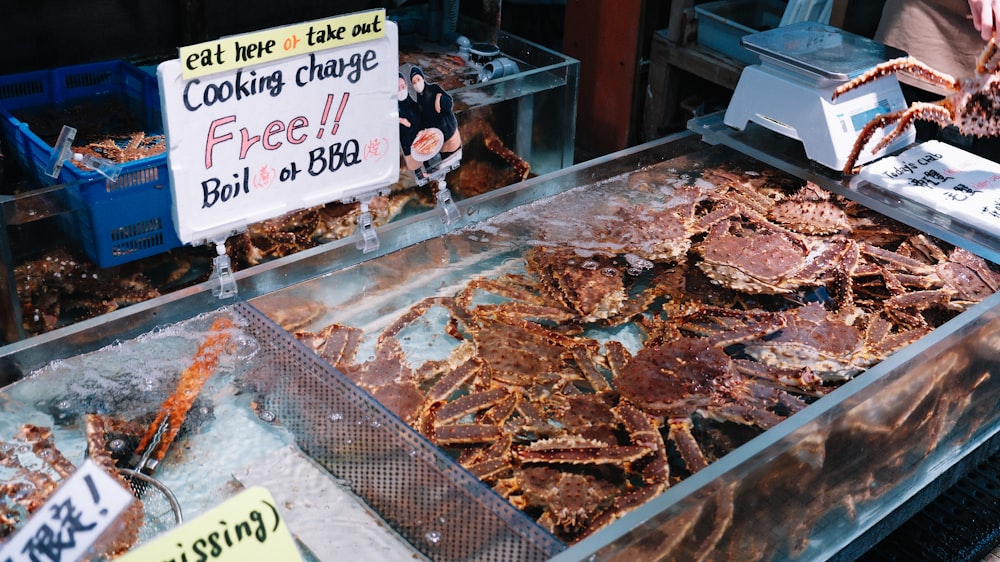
(909, 65)
(926, 111)
(970, 104)
(903, 118)
(175, 408)
(986, 62)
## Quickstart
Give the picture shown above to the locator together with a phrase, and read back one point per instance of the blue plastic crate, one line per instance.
(116, 221)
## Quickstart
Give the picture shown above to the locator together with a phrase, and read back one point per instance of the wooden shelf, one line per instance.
(668, 62)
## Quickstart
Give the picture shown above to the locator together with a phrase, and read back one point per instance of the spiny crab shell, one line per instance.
(810, 211)
(592, 286)
(816, 338)
(760, 259)
(661, 234)
(689, 375)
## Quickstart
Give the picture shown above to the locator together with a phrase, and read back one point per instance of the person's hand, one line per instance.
(984, 16)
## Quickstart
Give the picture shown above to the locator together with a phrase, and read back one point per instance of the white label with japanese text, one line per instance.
(71, 520)
(947, 179)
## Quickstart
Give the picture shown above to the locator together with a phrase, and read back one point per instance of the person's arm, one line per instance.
(448, 104)
(984, 16)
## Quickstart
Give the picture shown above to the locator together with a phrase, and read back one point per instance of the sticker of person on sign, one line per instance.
(428, 128)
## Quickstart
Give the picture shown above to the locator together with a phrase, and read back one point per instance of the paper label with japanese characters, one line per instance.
(947, 179)
(71, 520)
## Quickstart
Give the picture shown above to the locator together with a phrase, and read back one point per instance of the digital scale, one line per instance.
(790, 91)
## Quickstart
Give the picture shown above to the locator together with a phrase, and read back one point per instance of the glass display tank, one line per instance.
(649, 355)
(515, 124)
(525, 92)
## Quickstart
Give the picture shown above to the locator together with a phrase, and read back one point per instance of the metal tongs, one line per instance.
(144, 463)
(140, 472)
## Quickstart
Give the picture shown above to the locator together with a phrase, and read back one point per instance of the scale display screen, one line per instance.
(859, 120)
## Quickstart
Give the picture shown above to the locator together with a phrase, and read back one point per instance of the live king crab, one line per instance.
(112, 443)
(61, 284)
(971, 105)
(33, 483)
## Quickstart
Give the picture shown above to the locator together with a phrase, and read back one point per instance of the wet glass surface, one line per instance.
(130, 381)
(647, 247)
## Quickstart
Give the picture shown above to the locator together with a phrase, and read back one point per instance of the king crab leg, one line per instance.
(970, 105)
(175, 408)
(927, 111)
(909, 65)
(986, 62)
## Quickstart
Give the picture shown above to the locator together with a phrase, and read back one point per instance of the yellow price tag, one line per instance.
(269, 45)
(246, 528)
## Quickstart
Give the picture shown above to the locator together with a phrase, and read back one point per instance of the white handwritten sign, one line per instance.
(71, 520)
(956, 183)
(260, 141)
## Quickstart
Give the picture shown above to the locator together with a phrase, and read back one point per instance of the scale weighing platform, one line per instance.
(790, 91)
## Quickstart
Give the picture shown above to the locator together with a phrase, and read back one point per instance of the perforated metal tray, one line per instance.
(441, 509)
